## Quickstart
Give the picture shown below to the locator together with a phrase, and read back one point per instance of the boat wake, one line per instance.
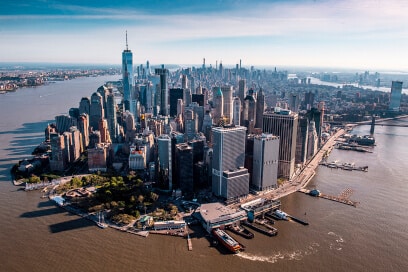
(339, 241)
(282, 256)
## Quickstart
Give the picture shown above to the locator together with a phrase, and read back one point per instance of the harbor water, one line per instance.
(36, 235)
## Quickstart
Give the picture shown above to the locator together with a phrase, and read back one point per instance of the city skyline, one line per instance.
(350, 34)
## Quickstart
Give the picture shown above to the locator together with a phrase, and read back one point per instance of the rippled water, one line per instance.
(35, 235)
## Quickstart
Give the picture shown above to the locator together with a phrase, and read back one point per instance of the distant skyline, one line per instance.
(365, 34)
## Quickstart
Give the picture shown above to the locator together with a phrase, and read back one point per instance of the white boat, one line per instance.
(101, 221)
(280, 215)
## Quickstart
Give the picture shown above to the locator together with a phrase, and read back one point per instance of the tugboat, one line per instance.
(240, 230)
(227, 241)
(314, 192)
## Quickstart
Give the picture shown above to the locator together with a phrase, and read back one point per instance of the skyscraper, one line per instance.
(175, 95)
(260, 108)
(242, 90)
(265, 162)
(285, 125)
(96, 110)
(84, 105)
(165, 160)
(127, 77)
(229, 177)
(227, 95)
(236, 116)
(395, 100)
(163, 73)
(218, 104)
(184, 167)
(111, 117)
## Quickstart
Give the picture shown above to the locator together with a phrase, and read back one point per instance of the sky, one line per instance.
(359, 34)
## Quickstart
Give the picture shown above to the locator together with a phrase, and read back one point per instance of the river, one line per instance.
(35, 235)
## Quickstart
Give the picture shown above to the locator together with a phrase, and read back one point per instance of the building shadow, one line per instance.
(74, 224)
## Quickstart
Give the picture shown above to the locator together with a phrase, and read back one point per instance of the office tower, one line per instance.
(283, 124)
(103, 129)
(184, 167)
(395, 99)
(76, 144)
(207, 125)
(218, 104)
(184, 82)
(190, 124)
(83, 126)
(320, 107)
(104, 92)
(265, 162)
(198, 144)
(175, 95)
(192, 84)
(163, 73)
(227, 109)
(57, 160)
(309, 100)
(165, 161)
(180, 107)
(242, 89)
(294, 102)
(198, 113)
(63, 123)
(96, 110)
(312, 141)
(199, 89)
(74, 114)
(249, 111)
(111, 117)
(84, 105)
(301, 141)
(260, 108)
(236, 109)
(229, 177)
(187, 97)
(198, 98)
(317, 116)
(127, 76)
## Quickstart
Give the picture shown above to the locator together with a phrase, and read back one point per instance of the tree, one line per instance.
(34, 179)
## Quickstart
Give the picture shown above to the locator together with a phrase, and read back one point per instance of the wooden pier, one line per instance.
(343, 198)
(189, 243)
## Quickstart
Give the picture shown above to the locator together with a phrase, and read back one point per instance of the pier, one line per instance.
(268, 232)
(342, 198)
(344, 166)
(297, 220)
(189, 243)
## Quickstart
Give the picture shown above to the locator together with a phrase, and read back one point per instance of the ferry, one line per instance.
(227, 241)
(280, 215)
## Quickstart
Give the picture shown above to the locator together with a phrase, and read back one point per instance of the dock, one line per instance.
(268, 232)
(297, 220)
(344, 166)
(189, 243)
(343, 198)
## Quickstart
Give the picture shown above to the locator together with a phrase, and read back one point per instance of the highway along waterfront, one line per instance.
(36, 235)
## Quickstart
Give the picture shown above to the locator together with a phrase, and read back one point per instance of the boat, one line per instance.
(315, 193)
(227, 240)
(280, 215)
(101, 222)
(240, 230)
(254, 226)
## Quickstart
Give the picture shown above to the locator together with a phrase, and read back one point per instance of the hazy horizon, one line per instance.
(351, 34)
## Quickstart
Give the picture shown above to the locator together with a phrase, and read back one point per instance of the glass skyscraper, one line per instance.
(395, 100)
(127, 77)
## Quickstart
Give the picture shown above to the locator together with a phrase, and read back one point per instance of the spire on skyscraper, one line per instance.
(127, 48)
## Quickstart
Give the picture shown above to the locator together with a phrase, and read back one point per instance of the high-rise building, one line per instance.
(187, 97)
(184, 167)
(395, 100)
(84, 105)
(265, 162)
(63, 123)
(57, 160)
(301, 141)
(218, 104)
(163, 73)
(111, 117)
(242, 90)
(83, 126)
(190, 124)
(175, 95)
(76, 144)
(127, 76)
(284, 124)
(236, 109)
(229, 177)
(312, 141)
(96, 110)
(250, 111)
(184, 82)
(165, 159)
(227, 109)
(103, 129)
(260, 108)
